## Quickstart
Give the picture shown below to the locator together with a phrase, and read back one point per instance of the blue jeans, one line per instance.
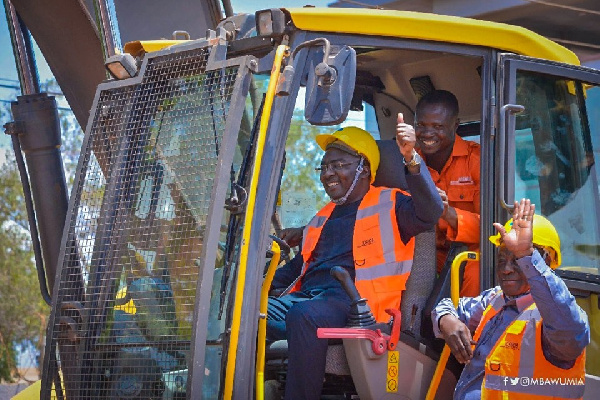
(296, 317)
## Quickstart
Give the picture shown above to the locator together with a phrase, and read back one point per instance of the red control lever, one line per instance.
(395, 335)
(379, 342)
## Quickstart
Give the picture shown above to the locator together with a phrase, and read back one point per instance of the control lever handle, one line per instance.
(285, 248)
(343, 277)
(360, 315)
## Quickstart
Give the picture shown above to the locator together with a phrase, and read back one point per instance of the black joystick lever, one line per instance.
(360, 315)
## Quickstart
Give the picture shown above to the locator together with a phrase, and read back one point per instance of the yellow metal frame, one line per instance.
(411, 25)
(32, 392)
(262, 322)
(432, 27)
(280, 53)
(454, 294)
(590, 305)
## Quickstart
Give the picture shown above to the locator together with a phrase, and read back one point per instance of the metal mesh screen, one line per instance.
(125, 306)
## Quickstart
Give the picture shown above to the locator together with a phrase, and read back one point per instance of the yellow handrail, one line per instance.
(454, 295)
(262, 322)
(241, 273)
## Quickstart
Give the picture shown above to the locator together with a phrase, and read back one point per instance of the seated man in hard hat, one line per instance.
(365, 229)
(529, 334)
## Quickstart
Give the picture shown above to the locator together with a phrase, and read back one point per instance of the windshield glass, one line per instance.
(302, 193)
(556, 154)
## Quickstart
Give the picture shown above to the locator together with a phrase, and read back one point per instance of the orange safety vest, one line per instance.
(381, 260)
(516, 367)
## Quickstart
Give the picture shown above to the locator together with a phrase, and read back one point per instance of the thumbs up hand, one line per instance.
(405, 138)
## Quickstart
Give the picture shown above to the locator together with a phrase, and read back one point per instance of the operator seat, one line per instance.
(422, 275)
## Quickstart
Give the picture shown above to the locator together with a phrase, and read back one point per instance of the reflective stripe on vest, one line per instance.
(382, 261)
(383, 270)
(516, 367)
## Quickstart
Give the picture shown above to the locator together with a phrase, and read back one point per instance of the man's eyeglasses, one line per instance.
(336, 166)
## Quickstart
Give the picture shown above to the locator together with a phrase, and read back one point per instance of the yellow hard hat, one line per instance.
(544, 235)
(359, 140)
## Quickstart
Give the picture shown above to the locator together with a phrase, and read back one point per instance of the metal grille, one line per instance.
(123, 319)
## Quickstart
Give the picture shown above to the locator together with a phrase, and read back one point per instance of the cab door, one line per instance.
(548, 147)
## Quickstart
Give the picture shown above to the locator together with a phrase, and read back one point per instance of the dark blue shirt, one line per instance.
(333, 248)
(414, 214)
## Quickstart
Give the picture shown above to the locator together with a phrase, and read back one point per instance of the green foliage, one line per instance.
(8, 361)
(302, 156)
(22, 311)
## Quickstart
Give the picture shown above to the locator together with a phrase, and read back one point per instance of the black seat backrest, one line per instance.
(391, 173)
(423, 290)
(440, 291)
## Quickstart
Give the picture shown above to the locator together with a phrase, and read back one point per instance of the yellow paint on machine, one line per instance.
(33, 392)
(392, 371)
(432, 27)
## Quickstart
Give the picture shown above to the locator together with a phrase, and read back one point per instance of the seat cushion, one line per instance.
(336, 362)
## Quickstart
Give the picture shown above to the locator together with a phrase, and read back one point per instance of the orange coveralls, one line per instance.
(460, 180)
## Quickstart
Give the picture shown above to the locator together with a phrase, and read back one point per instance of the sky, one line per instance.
(7, 62)
(9, 78)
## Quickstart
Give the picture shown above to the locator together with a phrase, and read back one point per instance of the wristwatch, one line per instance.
(414, 161)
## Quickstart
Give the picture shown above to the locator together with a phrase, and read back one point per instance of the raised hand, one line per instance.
(405, 138)
(519, 240)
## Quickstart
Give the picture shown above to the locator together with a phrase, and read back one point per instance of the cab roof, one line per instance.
(433, 27)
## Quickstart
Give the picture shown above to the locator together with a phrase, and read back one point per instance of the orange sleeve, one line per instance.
(468, 227)
(468, 221)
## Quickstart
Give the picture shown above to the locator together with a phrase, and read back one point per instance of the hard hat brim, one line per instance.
(495, 239)
(324, 140)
